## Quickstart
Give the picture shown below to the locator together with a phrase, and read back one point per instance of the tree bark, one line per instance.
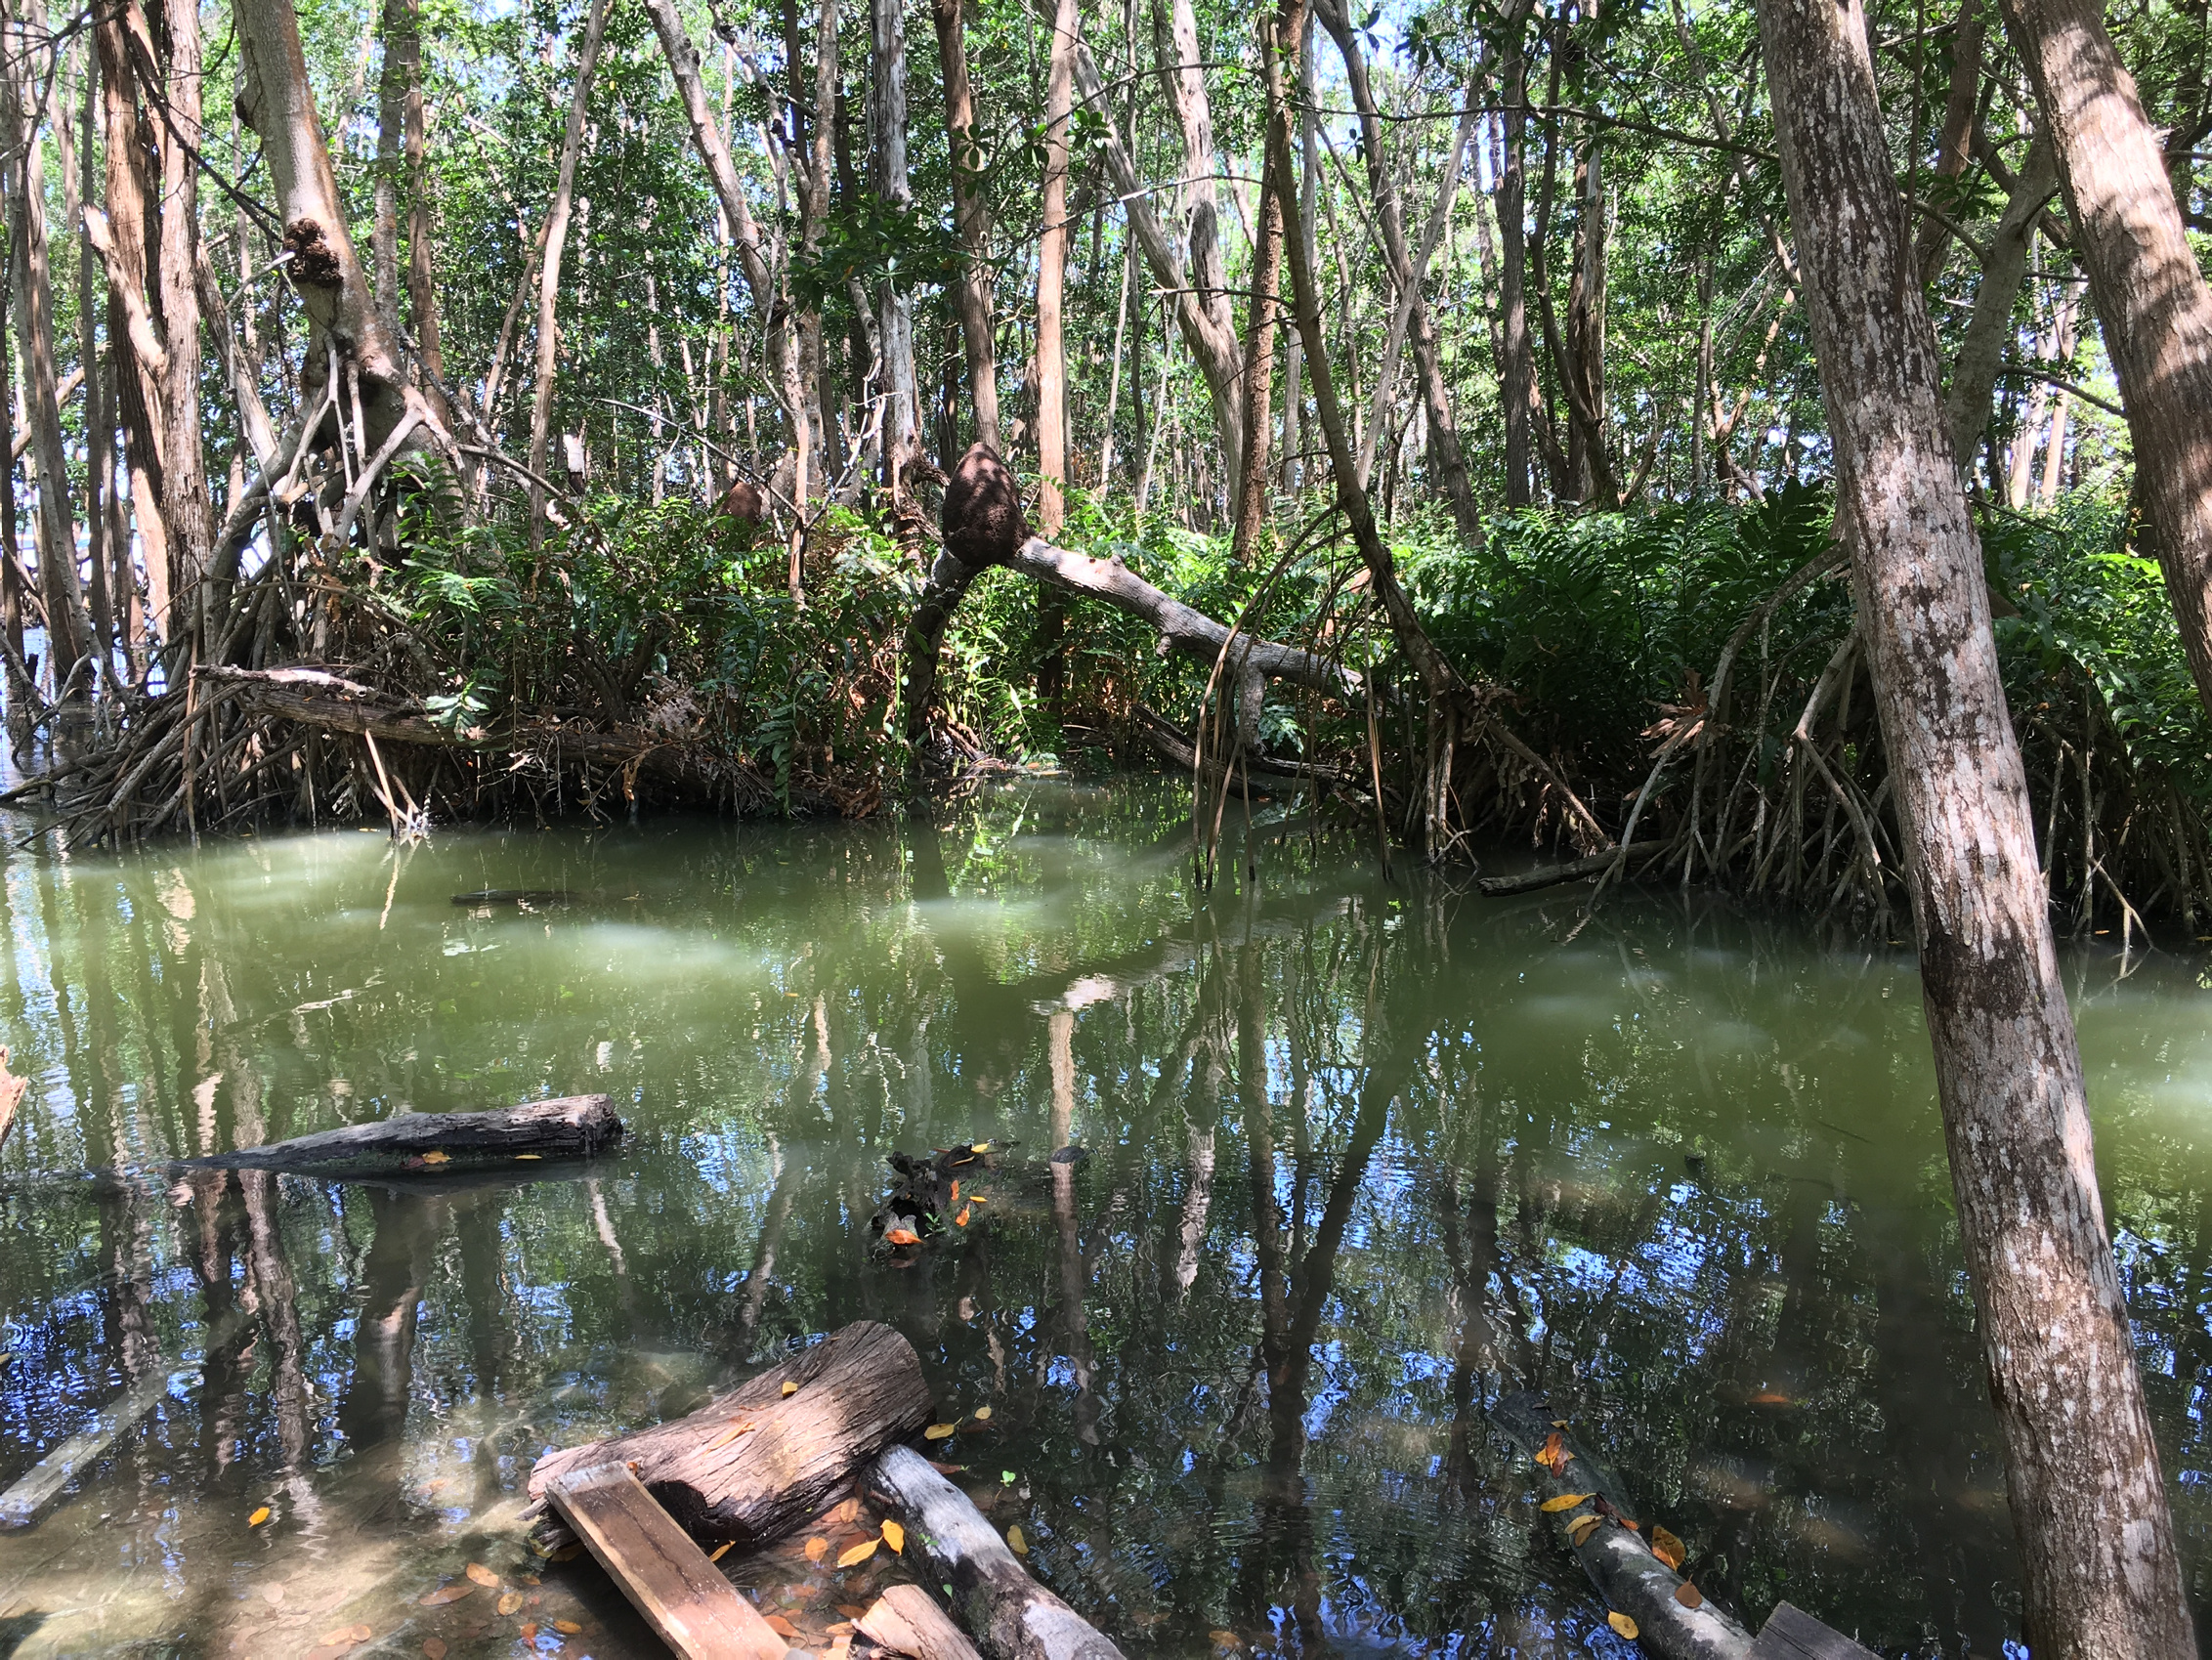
(1955, 145)
(971, 213)
(1518, 373)
(2103, 1576)
(860, 1390)
(184, 504)
(1262, 315)
(1990, 329)
(887, 119)
(1052, 273)
(549, 266)
(2150, 291)
(1185, 76)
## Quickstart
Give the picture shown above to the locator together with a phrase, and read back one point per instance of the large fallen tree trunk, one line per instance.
(574, 1126)
(1010, 1616)
(751, 1464)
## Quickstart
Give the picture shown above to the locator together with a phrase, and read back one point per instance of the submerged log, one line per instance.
(681, 1594)
(574, 1126)
(751, 1464)
(1008, 1614)
(1672, 1623)
(1572, 870)
(905, 1620)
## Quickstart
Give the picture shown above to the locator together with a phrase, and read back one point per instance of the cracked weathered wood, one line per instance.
(859, 1390)
(907, 1621)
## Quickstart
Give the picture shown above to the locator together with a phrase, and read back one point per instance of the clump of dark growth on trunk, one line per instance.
(983, 521)
(745, 502)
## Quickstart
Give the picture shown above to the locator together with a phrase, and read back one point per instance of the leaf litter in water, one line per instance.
(1581, 1528)
(1564, 1502)
(1016, 1541)
(981, 1415)
(1668, 1549)
(720, 1550)
(510, 1602)
(433, 1648)
(1621, 1623)
(895, 1536)
(484, 1576)
(782, 1626)
(445, 1593)
(817, 1548)
(938, 1432)
(567, 1627)
(858, 1553)
(258, 1518)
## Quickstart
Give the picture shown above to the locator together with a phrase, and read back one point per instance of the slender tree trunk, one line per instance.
(185, 503)
(1955, 147)
(1194, 118)
(1250, 505)
(1114, 378)
(2088, 1504)
(549, 266)
(1517, 379)
(99, 452)
(20, 691)
(971, 213)
(887, 100)
(2150, 292)
(68, 626)
(403, 175)
(2055, 444)
(1052, 274)
(1990, 329)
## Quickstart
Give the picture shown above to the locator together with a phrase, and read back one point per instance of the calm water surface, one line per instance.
(1680, 1167)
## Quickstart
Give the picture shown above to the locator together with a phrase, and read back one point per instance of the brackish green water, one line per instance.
(1680, 1167)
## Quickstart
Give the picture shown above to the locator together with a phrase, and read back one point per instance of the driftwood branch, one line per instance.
(574, 1126)
(752, 1465)
(1572, 870)
(1010, 1616)
(906, 1621)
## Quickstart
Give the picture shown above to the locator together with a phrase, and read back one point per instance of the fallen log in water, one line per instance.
(1572, 870)
(1009, 1614)
(751, 1464)
(905, 1620)
(1673, 1619)
(574, 1126)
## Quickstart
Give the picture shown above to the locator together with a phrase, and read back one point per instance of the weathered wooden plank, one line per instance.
(1009, 1614)
(682, 1595)
(753, 1465)
(906, 1620)
(1792, 1634)
(574, 1126)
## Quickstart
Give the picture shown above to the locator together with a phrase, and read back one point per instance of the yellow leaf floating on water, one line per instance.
(445, 1593)
(980, 1147)
(567, 1627)
(1689, 1595)
(895, 1536)
(1559, 1424)
(258, 1518)
(510, 1602)
(435, 1157)
(817, 1548)
(938, 1432)
(960, 1220)
(1555, 1455)
(1668, 1549)
(1016, 1541)
(1564, 1502)
(720, 1550)
(1621, 1623)
(902, 1236)
(789, 1388)
(530, 1156)
(981, 1415)
(1581, 1528)
(858, 1553)
(484, 1576)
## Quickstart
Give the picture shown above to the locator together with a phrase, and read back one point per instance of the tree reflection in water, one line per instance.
(1360, 1156)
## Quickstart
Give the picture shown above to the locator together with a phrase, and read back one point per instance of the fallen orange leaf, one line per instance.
(848, 1510)
(858, 1553)
(1770, 1398)
(510, 1602)
(938, 1432)
(781, 1626)
(436, 1158)
(894, 1536)
(1668, 1549)
(903, 1236)
(981, 1414)
(1564, 1502)
(720, 1550)
(484, 1576)
(960, 1220)
(1689, 1595)
(817, 1548)
(434, 1647)
(852, 1610)
(258, 1518)
(956, 1199)
(1621, 1623)
(728, 1435)
(445, 1593)
(567, 1627)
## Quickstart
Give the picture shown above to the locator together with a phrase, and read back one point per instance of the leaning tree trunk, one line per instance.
(1989, 330)
(970, 212)
(2087, 1501)
(2150, 294)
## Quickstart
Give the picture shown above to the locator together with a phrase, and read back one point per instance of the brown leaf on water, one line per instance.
(894, 1536)
(484, 1576)
(852, 1610)
(1668, 1549)
(567, 1627)
(1771, 1397)
(1554, 1456)
(1621, 1623)
(817, 1548)
(529, 1630)
(1564, 1502)
(1689, 1595)
(858, 1553)
(1225, 1640)
(510, 1602)
(782, 1626)
(1581, 1528)
(434, 1647)
(445, 1593)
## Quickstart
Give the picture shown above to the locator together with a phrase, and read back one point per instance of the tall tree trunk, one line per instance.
(1586, 449)
(887, 103)
(549, 266)
(971, 292)
(1052, 274)
(1443, 431)
(1517, 376)
(2054, 443)
(1990, 329)
(68, 626)
(1250, 506)
(77, 168)
(1194, 119)
(1955, 145)
(2088, 1504)
(403, 175)
(184, 504)
(2150, 291)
